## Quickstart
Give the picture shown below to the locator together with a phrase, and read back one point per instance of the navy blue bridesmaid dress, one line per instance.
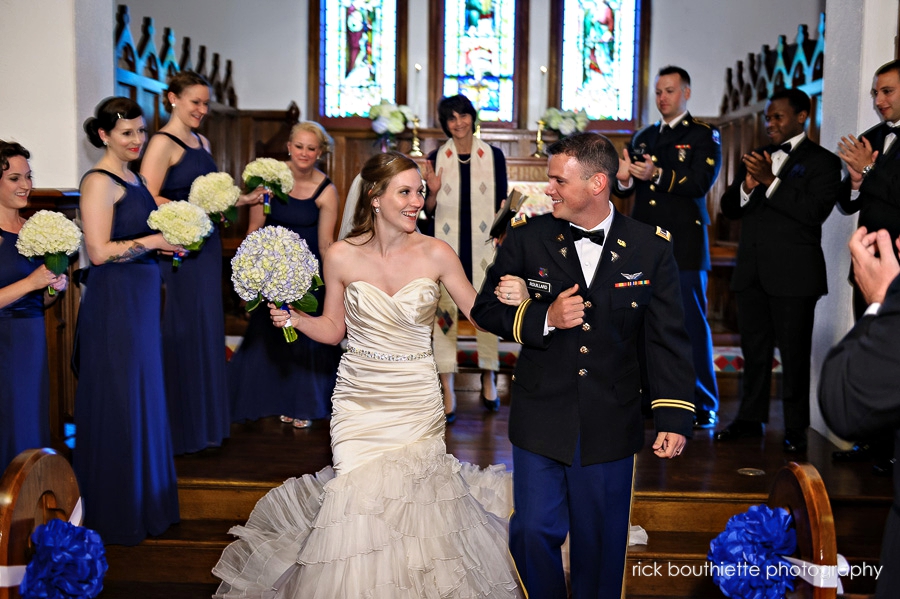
(268, 376)
(123, 450)
(194, 325)
(24, 374)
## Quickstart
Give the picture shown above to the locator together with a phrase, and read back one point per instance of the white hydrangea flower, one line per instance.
(181, 223)
(272, 173)
(215, 192)
(388, 117)
(48, 232)
(566, 122)
(275, 263)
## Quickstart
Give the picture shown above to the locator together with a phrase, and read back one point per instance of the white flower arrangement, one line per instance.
(51, 235)
(565, 122)
(390, 119)
(217, 195)
(272, 174)
(275, 264)
(181, 223)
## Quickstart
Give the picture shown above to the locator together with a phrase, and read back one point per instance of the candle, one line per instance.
(543, 100)
(417, 109)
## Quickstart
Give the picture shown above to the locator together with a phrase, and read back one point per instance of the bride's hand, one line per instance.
(511, 290)
(281, 317)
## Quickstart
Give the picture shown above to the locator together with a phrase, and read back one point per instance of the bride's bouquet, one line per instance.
(275, 264)
(52, 236)
(217, 194)
(181, 223)
(272, 174)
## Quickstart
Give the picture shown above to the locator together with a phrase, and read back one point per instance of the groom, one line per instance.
(604, 305)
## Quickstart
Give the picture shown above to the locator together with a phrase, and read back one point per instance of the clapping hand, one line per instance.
(874, 262)
(856, 154)
(432, 179)
(759, 170)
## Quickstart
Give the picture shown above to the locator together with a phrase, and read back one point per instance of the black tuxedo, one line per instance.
(586, 382)
(859, 399)
(780, 275)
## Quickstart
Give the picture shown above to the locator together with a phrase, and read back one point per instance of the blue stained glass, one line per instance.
(360, 55)
(599, 72)
(479, 54)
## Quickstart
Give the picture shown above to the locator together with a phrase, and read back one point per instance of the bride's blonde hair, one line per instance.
(375, 177)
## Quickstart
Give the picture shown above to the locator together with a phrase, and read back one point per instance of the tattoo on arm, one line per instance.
(129, 254)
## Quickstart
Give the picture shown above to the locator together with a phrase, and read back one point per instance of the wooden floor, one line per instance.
(683, 502)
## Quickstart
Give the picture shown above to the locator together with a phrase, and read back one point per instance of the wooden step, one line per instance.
(156, 590)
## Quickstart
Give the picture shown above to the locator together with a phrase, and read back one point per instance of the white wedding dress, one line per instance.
(397, 517)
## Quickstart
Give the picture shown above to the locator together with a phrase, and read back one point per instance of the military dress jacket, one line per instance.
(781, 235)
(689, 157)
(878, 202)
(585, 382)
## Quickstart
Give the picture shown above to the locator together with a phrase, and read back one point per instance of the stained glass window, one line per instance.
(599, 70)
(479, 54)
(360, 55)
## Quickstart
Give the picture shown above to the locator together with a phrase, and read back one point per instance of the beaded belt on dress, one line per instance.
(387, 357)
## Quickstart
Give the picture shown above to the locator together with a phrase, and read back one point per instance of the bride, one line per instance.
(397, 516)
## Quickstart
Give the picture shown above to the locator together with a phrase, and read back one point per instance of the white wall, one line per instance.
(41, 95)
(705, 37)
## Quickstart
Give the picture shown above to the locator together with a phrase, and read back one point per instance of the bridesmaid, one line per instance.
(123, 450)
(193, 315)
(268, 376)
(24, 374)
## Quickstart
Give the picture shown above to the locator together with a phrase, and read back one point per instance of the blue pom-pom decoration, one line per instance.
(69, 563)
(746, 556)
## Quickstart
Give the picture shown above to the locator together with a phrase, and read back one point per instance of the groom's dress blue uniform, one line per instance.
(576, 393)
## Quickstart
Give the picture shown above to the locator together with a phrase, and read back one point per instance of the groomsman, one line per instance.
(670, 167)
(782, 194)
(872, 188)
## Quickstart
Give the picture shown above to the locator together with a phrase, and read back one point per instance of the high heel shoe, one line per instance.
(491, 405)
(451, 417)
(286, 419)
(298, 423)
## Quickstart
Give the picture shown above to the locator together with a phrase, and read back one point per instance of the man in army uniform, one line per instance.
(599, 285)
(670, 167)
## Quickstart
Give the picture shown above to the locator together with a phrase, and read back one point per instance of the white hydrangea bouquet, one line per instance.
(275, 264)
(389, 120)
(181, 223)
(565, 122)
(217, 194)
(272, 174)
(52, 236)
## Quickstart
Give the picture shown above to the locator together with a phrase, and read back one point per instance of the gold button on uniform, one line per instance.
(584, 349)
(697, 222)
(513, 377)
(634, 304)
(652, 202)
(588, 304)
(582, 372)
(585, 327)
(652, 188)
(537, 296)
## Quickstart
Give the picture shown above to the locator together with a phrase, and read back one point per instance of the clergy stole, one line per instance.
(446, 228)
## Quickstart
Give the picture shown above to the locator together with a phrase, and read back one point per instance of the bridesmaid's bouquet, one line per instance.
(272, 174)
(275, 264)
(217, 194)
(52, 236)
(181, 223)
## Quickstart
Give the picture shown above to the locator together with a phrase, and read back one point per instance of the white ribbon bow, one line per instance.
(820, 575)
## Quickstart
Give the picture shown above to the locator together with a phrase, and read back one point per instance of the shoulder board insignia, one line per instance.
(518, 220)
(663, 233)
(700, 122)
(710, 161)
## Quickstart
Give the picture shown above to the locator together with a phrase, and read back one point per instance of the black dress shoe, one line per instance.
(884, 467)
(706, 419)
(491, 405)
(794, 441)
(740, 429)
(858, 453)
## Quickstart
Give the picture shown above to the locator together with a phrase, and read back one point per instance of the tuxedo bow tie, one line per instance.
(785, 147)
(595, 236)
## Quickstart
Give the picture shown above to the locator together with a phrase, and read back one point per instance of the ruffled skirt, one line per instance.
(412, 523)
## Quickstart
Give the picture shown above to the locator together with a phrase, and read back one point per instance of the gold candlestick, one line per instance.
(416, 151)
(539, 142)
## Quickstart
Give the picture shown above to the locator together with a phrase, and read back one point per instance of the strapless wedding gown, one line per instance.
(397, 517)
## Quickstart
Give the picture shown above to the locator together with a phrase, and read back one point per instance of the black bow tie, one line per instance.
(785, 147)
(595, 236)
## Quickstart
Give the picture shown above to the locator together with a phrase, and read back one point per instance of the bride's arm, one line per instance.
(453, 277)
(330, 326)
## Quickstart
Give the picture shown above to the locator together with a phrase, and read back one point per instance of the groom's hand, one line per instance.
(669, 445)
(567, 310)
